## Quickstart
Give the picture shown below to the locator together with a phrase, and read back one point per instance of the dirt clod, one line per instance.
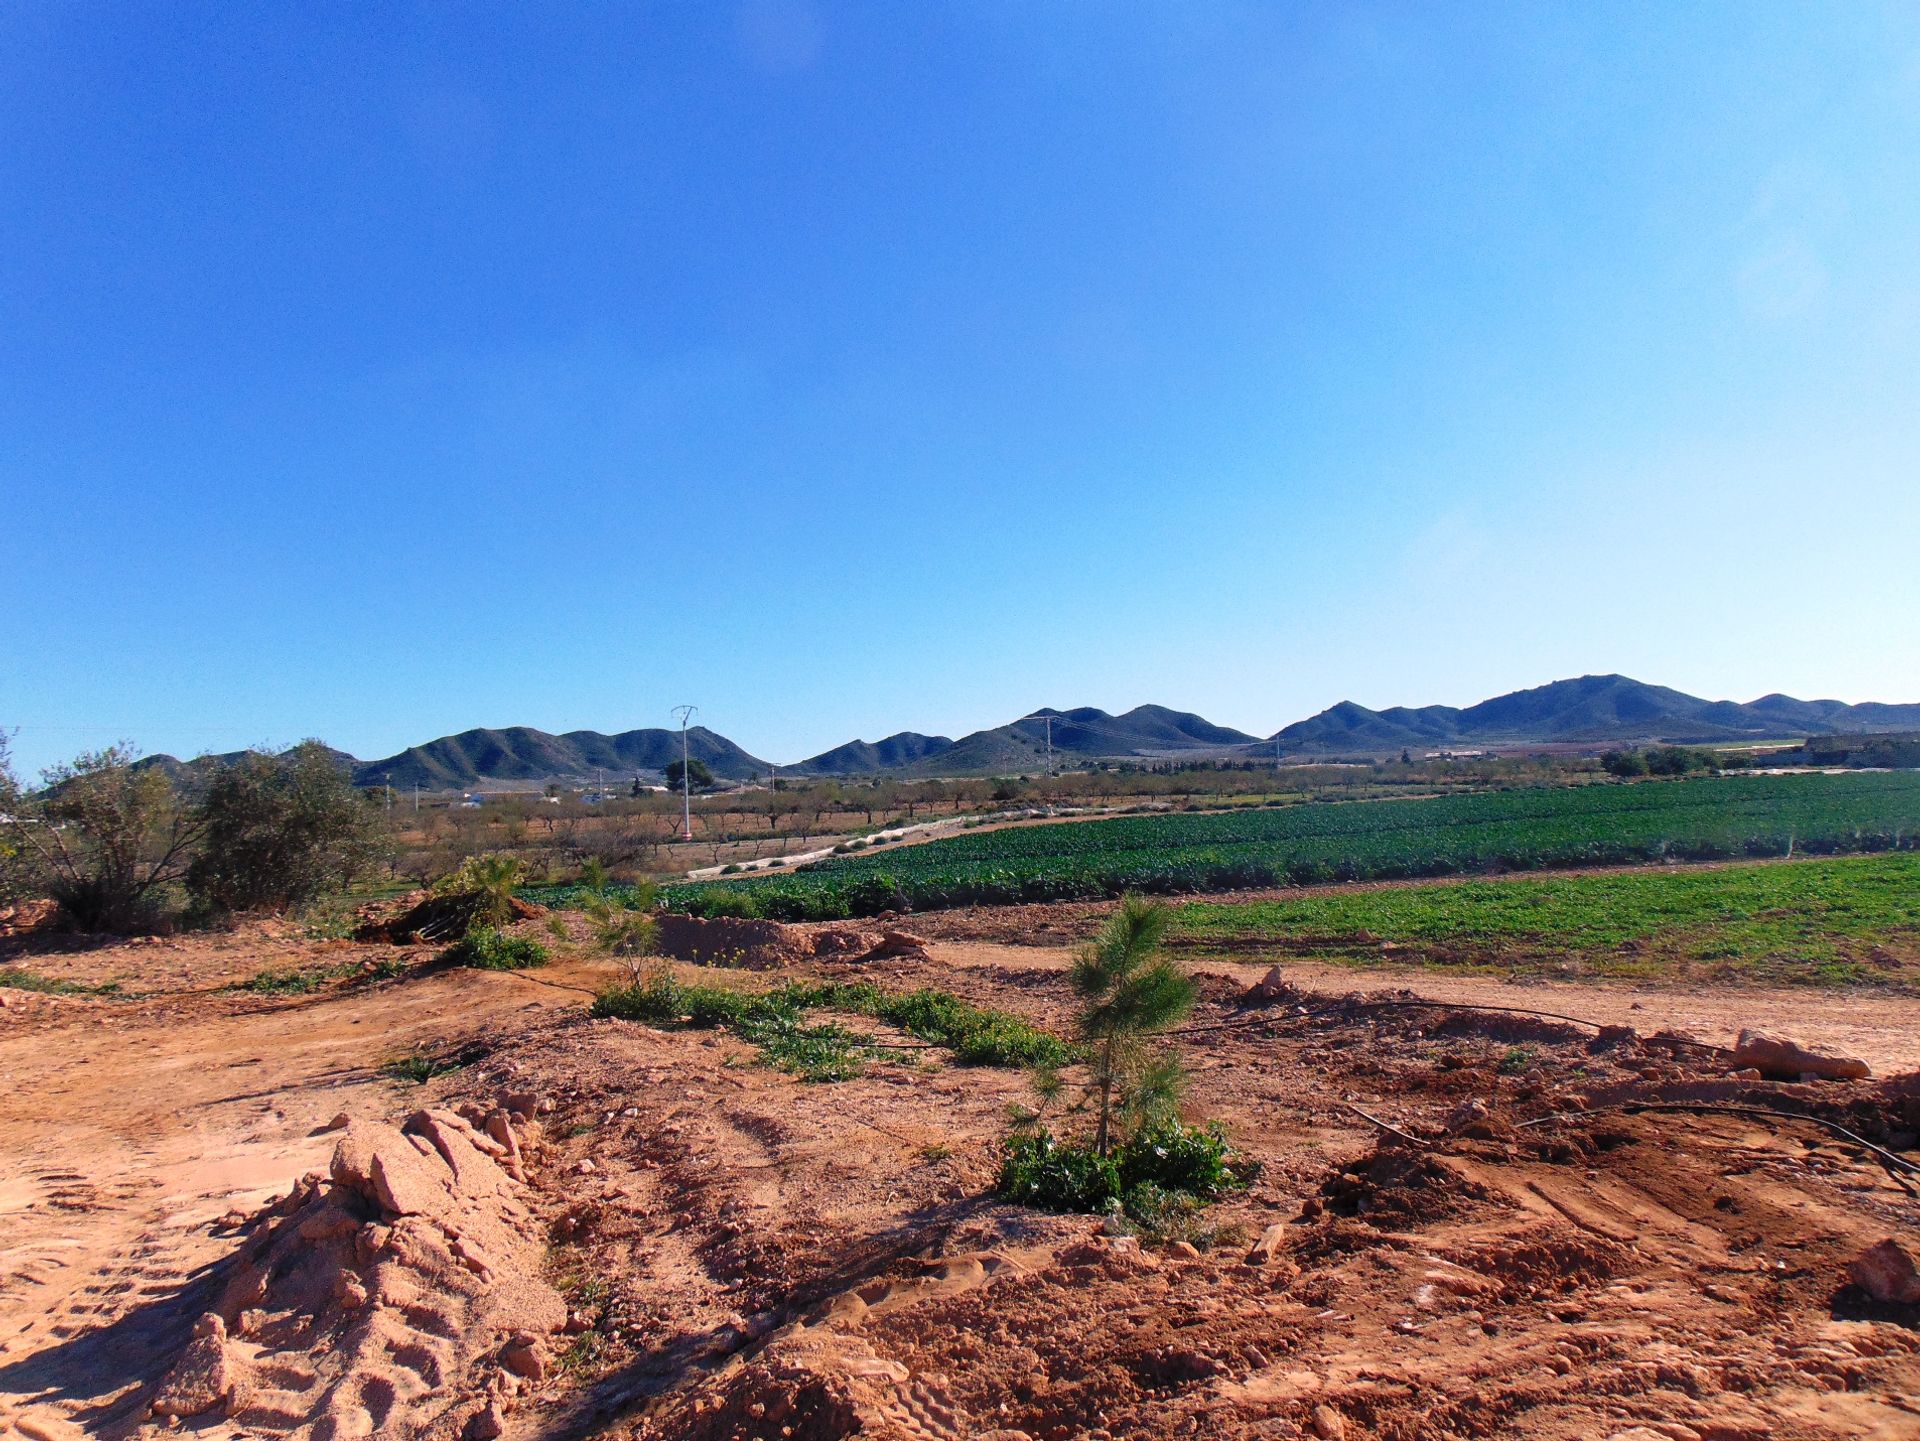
(1886, 1273)
(1784, 1060)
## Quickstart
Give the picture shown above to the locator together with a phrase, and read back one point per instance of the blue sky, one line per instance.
(378, 371)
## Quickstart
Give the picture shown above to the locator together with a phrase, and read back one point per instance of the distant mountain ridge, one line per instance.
(520, 753)
(1591, 708)
(1585, 710)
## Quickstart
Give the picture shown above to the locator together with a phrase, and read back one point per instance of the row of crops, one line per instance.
(1704, 819)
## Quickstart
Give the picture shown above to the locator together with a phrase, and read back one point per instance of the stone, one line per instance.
(521, 1105)
(1268, 1246)
(1886, 1273)
(1328, 1424)
(522, 1357)
(1783, 1060)
(207, 1375)
(1466, 1113)
(406, 1183)
(499, 1128)
(1270, 989)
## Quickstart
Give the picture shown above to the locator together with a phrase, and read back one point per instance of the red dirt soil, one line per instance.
(743, 1255)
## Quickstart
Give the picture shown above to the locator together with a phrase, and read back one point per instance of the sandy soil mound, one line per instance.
(398, 1296)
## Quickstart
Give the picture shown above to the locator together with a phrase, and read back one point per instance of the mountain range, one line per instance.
(1607, 709)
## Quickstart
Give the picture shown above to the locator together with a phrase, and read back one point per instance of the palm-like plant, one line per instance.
(1129, 990)
(622, 922)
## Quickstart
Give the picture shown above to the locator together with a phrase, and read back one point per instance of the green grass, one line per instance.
(1539, 828)
(1844, 921)
(18, 979)
(273, 982)
(775, 1022)
(288, 983)
(421, 1067)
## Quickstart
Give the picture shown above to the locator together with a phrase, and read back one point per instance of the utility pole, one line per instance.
(389, 780)
(1048, 717)
(686, 713)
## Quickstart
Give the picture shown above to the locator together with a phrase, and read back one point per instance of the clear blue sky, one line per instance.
(376, 371)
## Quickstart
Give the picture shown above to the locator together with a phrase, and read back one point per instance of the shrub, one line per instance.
(279, 831)
(16, 859)
(1177, 1157)
(724, 901)
(622, 921)
(1037, 1171)
(489, 881)
(1158, 1174)
(658, 998)
(486, 949)
(115, 838)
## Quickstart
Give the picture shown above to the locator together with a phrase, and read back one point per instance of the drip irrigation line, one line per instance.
(1391, 1130)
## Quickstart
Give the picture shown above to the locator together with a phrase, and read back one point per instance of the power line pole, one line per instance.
(1046, 716)
(686, 713)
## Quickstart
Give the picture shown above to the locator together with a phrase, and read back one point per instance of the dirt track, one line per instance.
(832, 1256)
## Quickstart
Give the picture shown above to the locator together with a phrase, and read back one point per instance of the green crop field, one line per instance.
(1715, 818)
(1839, 921)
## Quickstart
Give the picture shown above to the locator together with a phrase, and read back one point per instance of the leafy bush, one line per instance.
(658, 998)
(487, 949)
(281, 830)
(114, 838)
(1195, 1160)
(1172, 1168)
(1037, 1171)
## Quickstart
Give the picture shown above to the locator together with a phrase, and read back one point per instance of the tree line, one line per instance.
(119, 847)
